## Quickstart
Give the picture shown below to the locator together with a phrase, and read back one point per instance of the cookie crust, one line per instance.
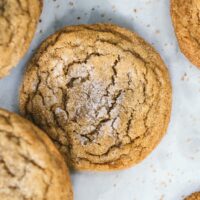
(194, 196)
(30, 165)
(18, 21)
(186, 21)
(101, 93)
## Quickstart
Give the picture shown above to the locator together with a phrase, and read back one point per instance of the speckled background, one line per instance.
(173, 169)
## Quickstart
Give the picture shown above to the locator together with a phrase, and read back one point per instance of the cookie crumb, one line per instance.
(135, 10)
(184, 77)
(157, 31)
(113, 8)
(71, 3)
(162, 197)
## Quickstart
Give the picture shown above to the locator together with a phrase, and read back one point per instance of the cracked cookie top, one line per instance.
(194, 196)
(18, 20)
(186, 21)
(101, 93)
(31, 167)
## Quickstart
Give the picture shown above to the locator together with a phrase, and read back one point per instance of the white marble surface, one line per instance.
(173, 169)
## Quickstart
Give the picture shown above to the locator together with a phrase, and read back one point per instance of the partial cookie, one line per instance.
(194, 196)
(30, 165)
(18, 20)
(101, 93)
(186, 20)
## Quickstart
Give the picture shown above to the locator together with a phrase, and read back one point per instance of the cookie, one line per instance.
(101, 93)
(186, 18)
(18, 20)
(30, 165)
(194, 196)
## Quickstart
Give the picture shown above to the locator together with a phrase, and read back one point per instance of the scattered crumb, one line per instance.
(58, 6)
(197, 151)
(71, 3)
(110, 19)
(143, 181)
(40, 20)
(162, 197)
(102, 15)
(191, 158)
(113, 8)
(164, 184)
(157, 31)
(93, 9)
(148, 25)
(148, 2)
(41, 31)
(134, 10)
(78, 18)
(184, 77)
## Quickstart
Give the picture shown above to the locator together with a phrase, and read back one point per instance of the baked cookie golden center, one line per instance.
(101, 93)
(194, 196)
(18, 20)
(186, 20)
(31, 167)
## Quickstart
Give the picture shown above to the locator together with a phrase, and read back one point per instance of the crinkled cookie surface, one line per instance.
(31, 167)
(101, 93)
(18, 20)
(194, 196)
(186, 21)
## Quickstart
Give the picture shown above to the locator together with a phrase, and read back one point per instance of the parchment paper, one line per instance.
(173, 169)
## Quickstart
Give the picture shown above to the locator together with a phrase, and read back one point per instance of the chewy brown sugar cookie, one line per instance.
(186, 20)
(101, 93)
(194, 196)
(18, 20)
(30, 165)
